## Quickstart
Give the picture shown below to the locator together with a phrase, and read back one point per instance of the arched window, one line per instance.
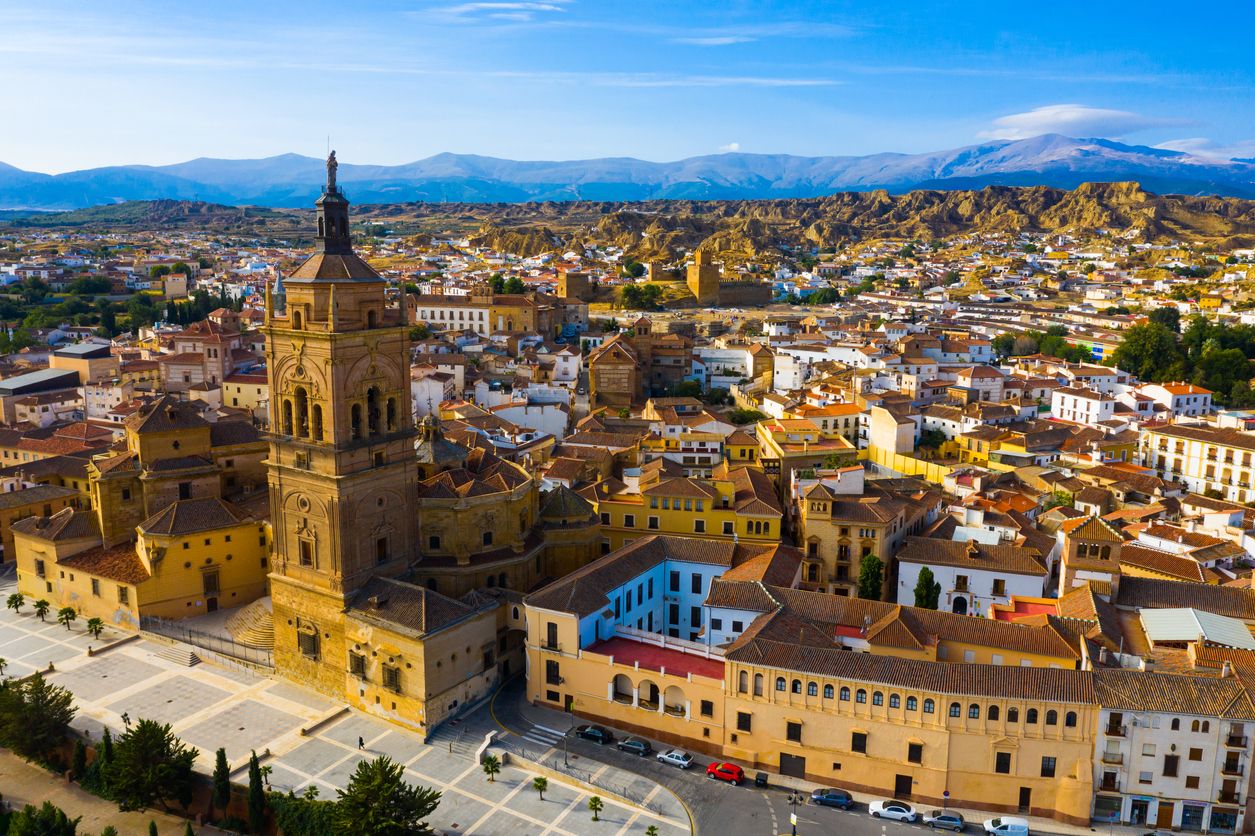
(322, 228)
(501, 581)
(287, 417)
(370, 318)
(827, 692)
(929, 706)
(1013, 715)
(1030, 717)
(355, 421)
(1069, 720)
(298, 320)
(316, 425)
(812, 689)
(1206, 726)
(878, 698)
(797, 686)
(766, 528)
(514, 613)
(743, 682)
(1104, 552)
(779, 683)
(1052, 717)
(392, 415)
(895, 701)
(973, 712)
(991, 713)
(372, 409)
(1194, 726)
(1176, 724)
(912, 704)
(956, 710)
(302, 412)
(860, 696)
(491, 581)
(845, 694)
(758, 684)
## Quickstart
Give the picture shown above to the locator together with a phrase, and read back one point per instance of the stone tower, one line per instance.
(342, 469)
(703, 279)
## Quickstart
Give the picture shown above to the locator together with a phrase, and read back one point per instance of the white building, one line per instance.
(1082, 406)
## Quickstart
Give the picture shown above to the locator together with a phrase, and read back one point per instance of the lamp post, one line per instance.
(795, 798)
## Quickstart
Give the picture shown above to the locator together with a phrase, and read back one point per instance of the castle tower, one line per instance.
(342, 468)
(703, 279)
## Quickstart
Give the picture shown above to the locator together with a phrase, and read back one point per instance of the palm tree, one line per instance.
(652, 830)
(41, 608)
(65, 615)
(15, 602)
(540, 783)
(596, 806)
(265, 773)
(95, 626)
(492, 765)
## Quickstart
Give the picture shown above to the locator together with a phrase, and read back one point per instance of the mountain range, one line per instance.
(292, 180)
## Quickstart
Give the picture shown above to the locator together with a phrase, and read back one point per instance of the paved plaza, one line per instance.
(210, 706)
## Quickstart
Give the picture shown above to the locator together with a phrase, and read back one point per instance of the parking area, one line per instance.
(210, 706)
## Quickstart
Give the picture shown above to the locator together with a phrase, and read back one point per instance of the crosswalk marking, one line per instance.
(543, 736)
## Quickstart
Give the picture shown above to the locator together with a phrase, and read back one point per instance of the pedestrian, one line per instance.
(361, 744)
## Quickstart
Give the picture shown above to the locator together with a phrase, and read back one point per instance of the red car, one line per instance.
(729, 772)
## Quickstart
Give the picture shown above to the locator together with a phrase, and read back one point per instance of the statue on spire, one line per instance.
(332, 165)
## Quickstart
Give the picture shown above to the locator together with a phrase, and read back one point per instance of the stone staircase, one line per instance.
(454, 740)
(253, 624)
(180, 654)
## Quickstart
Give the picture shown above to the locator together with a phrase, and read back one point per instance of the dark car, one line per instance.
(945, 820)
(635, 746)
(828, 797)
(597, 734)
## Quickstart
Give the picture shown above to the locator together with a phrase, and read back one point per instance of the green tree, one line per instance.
(15, 602)
(256, 796)
(686, 389)
(109, 830)
(652, 830)
(491, 767)
(633, 269)
(34, 715)
(497, 283)
(740, 417)
(378, 802)
(927, 590)
(303, 815)
(158, 270)
(41, 608)
(78, 761)
(419, 333)
(66, 616)
(1149, 351)
(514, 285)
(187, 829)
(871, 573)
(540, 783)
(221, 797)
(150, 766)
(47, 820)
(932, 439)
(95, 626)
(152, 828)
(595, 804)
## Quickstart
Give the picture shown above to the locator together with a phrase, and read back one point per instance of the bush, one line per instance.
(47, 820)
(298, 816)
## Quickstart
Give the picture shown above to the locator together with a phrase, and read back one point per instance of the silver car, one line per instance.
(676, 757)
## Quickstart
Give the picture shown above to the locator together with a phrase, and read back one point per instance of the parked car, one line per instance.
(829, 797)
(945, 820)
(896, 810)
(635, 746)
(1007, 826)
(676, 757)
(597, 734)
(729, 772)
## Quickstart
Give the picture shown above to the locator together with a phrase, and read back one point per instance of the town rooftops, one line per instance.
(43, 380)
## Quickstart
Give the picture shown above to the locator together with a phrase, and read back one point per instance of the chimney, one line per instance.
(1226, 670)
(1191, 525)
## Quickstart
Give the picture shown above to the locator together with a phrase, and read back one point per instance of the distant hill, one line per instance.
(291, 180)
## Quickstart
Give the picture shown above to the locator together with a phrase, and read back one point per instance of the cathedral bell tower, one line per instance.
(343, 474)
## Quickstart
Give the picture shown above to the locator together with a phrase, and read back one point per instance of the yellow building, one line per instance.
(1203, 458)
(789, 444)
(736, 503)
(765, 674)
(246, 391)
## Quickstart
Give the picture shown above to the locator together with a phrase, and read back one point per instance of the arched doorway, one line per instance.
(960, 605)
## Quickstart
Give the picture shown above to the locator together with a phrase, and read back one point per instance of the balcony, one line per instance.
(1229, 797)
(552, 646)
(1235, 769)
(1112, 757)
(1236, 741)
(1109, 785)
(1115, 731)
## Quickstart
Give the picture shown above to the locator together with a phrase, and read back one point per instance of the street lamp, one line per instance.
(795, 798)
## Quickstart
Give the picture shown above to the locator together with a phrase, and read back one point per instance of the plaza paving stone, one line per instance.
(171, 700)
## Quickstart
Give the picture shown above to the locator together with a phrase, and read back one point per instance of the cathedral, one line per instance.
(399, 556)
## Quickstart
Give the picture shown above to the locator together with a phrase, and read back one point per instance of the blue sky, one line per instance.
(161, 82)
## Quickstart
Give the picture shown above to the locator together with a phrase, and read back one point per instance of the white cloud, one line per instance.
(1073, 120)
(511, 11)
(728, 35)
(730, 148)
(1210, 149)
(714, 40)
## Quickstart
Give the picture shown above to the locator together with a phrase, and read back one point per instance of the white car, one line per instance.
(1007, 826)
(676, 757)
(896, 810)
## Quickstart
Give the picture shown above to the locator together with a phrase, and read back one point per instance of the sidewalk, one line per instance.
(25, 783)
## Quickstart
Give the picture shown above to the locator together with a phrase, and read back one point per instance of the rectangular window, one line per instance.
(209, 582)
(307, 642)
(858, 742)
(737, 627)
(629, 521)
(699, 526)
(650, 587)
(1000, 587)
(1047, 766)
(673, 581)
(695, 585)
(551, 635)
(96, 587)
(392, 678)
(1002, 763)
(1145, 777)
(605, 518)
(124, 594)
(381, 550)
(357, 664)
(743, 721)
(40, 569)
(716, 623)
(793, 732)
(708, 708)
(307, 552)
(1196, 754)
(695, 616)
(1170, 763)
(673, 614)
(729, 528)
(653, 523)
(1191, 782)
(433, 542)
(915, 752)
(552, 673)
